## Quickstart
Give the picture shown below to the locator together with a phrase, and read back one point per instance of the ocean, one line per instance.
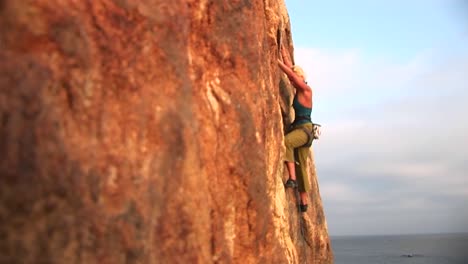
(401, 249)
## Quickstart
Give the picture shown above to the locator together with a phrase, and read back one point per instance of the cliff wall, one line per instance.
(148, 132)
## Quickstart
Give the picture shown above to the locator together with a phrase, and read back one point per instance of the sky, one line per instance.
(390, 84)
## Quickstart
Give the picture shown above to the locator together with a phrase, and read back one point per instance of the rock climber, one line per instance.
(299, 138)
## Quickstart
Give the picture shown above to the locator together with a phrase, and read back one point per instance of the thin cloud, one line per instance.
(394, 139)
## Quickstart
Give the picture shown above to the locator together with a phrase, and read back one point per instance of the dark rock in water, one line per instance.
(411, 255)
(148, 131)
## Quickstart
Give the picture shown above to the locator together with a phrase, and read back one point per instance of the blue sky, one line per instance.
(390, 82)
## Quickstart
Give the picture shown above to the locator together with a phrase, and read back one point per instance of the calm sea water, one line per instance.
(401, 249)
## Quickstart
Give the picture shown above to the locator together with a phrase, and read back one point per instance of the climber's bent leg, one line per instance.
(292, 140)
(291, 182)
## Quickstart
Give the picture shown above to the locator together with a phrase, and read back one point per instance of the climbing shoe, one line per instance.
(290, 184)
(303, 207)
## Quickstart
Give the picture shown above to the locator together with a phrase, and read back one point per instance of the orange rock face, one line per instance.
(148, 132)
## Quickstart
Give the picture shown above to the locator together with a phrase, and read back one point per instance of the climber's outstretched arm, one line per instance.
(287, 69)
(285, 56)
(297, 81)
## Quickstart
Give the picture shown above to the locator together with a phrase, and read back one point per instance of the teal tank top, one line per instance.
(302, 113)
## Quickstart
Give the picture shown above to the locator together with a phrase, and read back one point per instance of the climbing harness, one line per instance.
(311, 135)
(316, 130)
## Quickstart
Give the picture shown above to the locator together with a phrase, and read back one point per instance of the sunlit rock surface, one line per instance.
(148, 132)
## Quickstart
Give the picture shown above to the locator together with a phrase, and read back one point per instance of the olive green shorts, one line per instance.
(296, 152)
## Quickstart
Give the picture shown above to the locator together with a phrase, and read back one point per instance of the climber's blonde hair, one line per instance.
(298, 70)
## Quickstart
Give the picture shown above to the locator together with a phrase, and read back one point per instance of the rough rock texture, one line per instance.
(148, 132)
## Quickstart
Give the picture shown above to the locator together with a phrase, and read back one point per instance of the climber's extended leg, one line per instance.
(303, 204)
(302, 176)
